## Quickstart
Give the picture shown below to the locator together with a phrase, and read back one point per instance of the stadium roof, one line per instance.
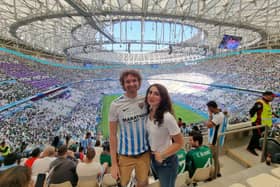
(103, 30)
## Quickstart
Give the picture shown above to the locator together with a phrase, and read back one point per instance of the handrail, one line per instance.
(216, 160)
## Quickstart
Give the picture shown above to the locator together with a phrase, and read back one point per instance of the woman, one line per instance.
(165, 137)
(19, 176)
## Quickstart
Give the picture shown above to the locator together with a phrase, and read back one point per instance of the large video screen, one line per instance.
(230, 42)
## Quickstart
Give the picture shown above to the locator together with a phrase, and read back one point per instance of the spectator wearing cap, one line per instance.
(34, 156)
(261, 114)
(63, 169)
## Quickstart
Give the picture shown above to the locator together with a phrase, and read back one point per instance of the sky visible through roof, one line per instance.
(162, 33)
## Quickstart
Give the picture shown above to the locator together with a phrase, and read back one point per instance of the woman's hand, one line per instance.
(158, 157)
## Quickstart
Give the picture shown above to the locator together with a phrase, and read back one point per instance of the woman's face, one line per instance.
(153, 97)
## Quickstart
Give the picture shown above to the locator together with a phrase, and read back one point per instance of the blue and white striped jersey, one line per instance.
(131, 116)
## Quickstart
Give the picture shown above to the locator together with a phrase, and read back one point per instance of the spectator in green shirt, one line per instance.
(199, 156)
(105, 156)
(181, 155)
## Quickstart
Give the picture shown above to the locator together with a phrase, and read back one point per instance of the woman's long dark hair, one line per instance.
(165, 104)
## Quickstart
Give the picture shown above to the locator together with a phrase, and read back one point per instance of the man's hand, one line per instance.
(115, 172)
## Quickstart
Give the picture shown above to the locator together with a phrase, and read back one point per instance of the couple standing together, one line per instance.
(143, 133)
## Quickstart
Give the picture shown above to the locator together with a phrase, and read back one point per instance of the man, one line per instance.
(129, 150)
(4, 150)
(180, 122)
(181, 155)
(63, 168)
(89, 168)
(261, 114)
(199, 156)
(42, 165)
(216, 124)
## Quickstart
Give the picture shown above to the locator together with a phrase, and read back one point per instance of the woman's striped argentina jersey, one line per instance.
(131, 116)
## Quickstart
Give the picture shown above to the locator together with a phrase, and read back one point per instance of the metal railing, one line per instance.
(217, 147)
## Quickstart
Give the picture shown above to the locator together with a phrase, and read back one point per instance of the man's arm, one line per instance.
(113, 150)
(210, 123)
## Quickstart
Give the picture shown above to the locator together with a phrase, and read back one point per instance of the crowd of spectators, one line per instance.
(81, 112)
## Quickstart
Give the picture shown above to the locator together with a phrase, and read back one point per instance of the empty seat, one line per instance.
(87, 181)
(108, 181)
(200, 174)
(262, 180)
(64, 184)
(182, 179)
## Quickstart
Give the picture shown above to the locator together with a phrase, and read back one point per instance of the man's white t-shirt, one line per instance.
(160, 136)
(131, 115)
(219, 120)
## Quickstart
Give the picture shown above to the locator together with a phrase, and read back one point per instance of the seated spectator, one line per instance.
(63, 169)
(196, 129)
(34, 156)
(80, 154)
(9, 161)
(181, 155)
(18, 176)
(98, 150)
(42, 165)
(90, 168)
(105, 156)
(198, 157)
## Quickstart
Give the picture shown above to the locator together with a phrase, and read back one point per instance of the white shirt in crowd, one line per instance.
(160, 136)
(220, 122)
(41, 165)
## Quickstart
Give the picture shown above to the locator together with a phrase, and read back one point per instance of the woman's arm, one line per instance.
(178, 143)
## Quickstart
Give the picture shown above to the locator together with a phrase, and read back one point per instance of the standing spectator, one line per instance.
(216, 124)
(63, 169)
(87, 142)
(4, 150)
(180, 122)
(261, 114)
(128, 115)
(34, 156)
(165, 137)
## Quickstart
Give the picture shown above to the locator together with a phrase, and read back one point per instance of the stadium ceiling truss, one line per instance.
(82, 28)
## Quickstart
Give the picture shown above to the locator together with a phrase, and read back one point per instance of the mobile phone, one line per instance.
(40, 180)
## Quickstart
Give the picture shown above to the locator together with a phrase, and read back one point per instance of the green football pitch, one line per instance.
(188, 116)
